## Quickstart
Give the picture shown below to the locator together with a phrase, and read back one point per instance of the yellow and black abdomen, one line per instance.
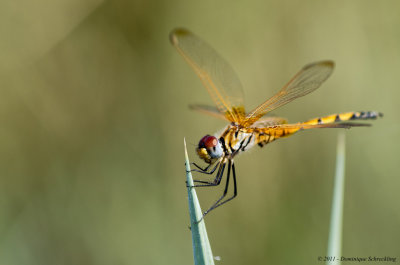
(346, 116)
(246, 138)
(266, 135)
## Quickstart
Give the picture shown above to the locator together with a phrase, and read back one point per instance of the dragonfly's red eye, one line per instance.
(208, 141)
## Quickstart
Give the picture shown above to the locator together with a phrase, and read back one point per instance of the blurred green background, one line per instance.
(93, 111)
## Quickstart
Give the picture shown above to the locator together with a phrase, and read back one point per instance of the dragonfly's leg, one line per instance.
(201, 169)
(240, 147)
(204, 171)
(217, 179)
(234, 186)
(218, 202)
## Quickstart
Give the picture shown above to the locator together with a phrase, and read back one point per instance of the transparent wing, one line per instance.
(208, 110)
(292, 128)
(216, 74)
(346, 125)
(269, 121)
(306, 81)
(214, 112)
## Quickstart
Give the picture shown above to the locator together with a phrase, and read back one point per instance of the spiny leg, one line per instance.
(204, 170)
(217, 179)
(218, 202)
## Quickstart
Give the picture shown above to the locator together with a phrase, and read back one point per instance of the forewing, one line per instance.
(306, 81)
(216, 74)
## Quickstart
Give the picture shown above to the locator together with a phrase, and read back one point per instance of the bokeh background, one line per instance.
(93, 112)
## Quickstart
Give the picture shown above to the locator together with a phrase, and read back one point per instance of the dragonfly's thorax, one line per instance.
(236, 139)
(210, 149)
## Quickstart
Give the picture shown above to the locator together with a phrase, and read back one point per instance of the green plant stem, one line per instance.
(335, 232)
(201, 246)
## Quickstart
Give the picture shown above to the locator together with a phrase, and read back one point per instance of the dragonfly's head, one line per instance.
(210, 149)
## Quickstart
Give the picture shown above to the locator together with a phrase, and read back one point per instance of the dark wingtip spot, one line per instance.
(176, 33)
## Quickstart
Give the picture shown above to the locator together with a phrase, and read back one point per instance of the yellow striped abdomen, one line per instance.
(266, 135)
(346, 116)
(240, 139)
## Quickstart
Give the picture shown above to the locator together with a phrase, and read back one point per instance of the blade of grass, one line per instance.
(335, 231)
(201, 246)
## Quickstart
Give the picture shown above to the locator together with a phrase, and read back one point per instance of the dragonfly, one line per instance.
(248, 129)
